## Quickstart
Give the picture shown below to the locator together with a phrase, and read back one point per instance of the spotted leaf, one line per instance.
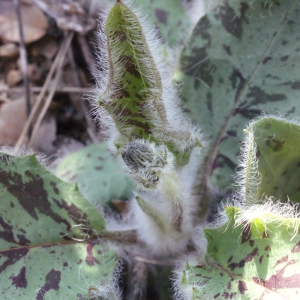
(241, 61)
(136, 98)
(271, 161)
(255, 260)
(48, 236)
(98, 176)
(173, 24)
(133, 82)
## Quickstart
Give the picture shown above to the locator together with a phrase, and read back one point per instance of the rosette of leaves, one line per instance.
(146, 130)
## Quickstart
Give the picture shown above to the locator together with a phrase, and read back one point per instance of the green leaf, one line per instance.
(256, 260)
(137, 93)
(274, 169)
(48, 235)
(148, 210)
(134, 82)
(173, 24)
(97, 174)
(242, 60)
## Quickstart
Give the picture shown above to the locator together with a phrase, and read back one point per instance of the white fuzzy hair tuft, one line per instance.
(271, 212)
(109, 290)
(186, 292)
(248, 177)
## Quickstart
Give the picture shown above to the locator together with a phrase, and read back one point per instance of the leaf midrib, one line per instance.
(126, 237)
(214, 150)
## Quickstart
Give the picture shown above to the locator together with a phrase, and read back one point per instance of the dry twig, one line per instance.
(23, 55)
(59, 68)
(91, 130)
(58, 60)
(36, 89)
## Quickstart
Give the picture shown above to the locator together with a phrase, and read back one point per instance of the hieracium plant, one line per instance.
(54, 243)
(147, 133)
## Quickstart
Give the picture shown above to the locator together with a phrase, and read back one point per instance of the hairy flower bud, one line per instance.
(146, 161)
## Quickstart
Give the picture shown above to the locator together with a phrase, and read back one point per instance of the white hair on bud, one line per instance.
(160, 240)
(172, 199)
(149, 164)
(166, 222)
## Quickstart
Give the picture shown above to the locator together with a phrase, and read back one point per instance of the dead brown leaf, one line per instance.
(9, 50)
(13, 77)
(46, 135)
(68, 15)
(122, 207)
(16, 76)
(12, 120)
(34, 23)
(47, 47)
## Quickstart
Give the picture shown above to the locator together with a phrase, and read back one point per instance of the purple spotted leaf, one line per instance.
(97, 174)
(49, 236)
(254, 258)
(241, 61)
(173, 24)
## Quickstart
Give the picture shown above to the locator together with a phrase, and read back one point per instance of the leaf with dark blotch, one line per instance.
(47, 235)
(134, 81)
(241, 61)
(98, 176)
(275, 145)
(253, 262)
(172, 24)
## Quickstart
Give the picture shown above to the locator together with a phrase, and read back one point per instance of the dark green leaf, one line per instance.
(48, 236)
(256, 260)
(242, 60)
(273, 169)
(97, 174)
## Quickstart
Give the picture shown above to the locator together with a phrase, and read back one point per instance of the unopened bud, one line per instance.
(145, 161)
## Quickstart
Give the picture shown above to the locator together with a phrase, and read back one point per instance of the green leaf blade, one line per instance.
(48, 235)
(246, 262)
(173, 24)
(134, 81)
(97, 174)
(276, 145)
(57, 271)
(236, 66)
